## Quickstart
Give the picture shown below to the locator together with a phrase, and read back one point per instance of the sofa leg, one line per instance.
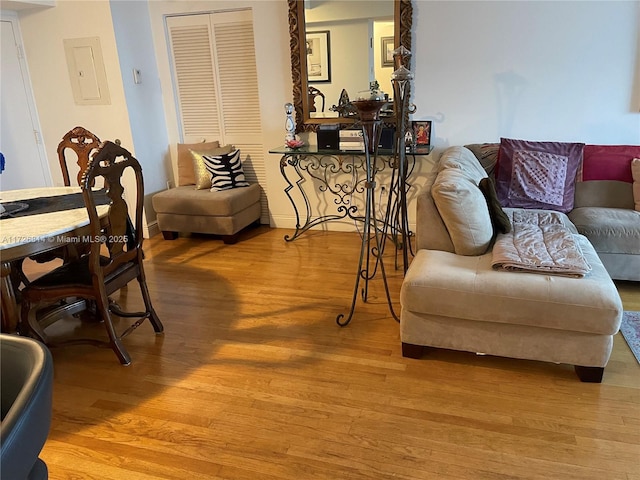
(168, 235)
(413, 351)
(589, 374)
(230, 239)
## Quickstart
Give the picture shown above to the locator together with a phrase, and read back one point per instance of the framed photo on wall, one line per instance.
(387, 48)
(318, 57)
(422, 132)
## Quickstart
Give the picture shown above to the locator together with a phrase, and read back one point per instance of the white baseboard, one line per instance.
(348, 225)
(151, 229)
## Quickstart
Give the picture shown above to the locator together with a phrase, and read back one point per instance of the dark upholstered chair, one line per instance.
(26, 386)
(115, 257)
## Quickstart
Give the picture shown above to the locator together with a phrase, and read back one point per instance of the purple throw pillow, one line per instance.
(537, 174)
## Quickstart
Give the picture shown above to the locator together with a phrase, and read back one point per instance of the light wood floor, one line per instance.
(253, 380)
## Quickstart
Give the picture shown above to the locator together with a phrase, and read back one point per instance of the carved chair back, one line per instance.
(313, 93)
(123, 239)
(83, 143)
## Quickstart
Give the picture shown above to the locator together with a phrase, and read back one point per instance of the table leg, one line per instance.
(327, 173)
(8, 300)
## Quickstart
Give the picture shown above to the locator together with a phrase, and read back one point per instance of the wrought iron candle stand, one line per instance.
(369, 113)
(401, 80)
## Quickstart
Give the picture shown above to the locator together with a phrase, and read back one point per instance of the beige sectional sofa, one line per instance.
(453, 298)
(604, 213)
(603, 210)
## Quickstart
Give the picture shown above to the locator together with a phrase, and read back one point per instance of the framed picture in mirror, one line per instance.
(318, 57)
(387, 48)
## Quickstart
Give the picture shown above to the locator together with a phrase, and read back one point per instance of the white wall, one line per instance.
(134, 40)
(43, 31)
(538, 70)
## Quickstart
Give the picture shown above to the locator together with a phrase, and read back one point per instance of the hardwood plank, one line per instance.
(253, 379)
(112, 460)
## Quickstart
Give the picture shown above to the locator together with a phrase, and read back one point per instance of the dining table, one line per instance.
(34, 221)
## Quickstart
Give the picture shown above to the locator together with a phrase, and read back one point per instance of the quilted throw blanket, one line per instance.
(539, 242)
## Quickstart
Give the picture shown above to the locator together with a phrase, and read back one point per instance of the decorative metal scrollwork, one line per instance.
(340, 177)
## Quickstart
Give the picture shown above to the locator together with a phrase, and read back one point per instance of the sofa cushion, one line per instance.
(461, 287)
(608, 162)
(431, 231)
(464, 211)
(610, 230)
(186, 200)
(217, 225)
(463, 159)
(604, 193)
(487, 155)
(635, 173)
(185, 164)
(537, 174)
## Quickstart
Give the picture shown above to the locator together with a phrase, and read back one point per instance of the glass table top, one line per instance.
(313, 149)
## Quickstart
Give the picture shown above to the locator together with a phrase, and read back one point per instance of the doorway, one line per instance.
(20, 139)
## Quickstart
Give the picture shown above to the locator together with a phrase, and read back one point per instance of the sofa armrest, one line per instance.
(431, 232)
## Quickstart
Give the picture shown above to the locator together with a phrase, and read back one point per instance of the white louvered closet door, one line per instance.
(216, 83)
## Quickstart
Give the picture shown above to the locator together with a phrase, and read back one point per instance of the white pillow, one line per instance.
(463, 159)
(464, 211)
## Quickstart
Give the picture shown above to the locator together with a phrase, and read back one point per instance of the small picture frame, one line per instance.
(387, 48)
(318, 49)
(421, 132)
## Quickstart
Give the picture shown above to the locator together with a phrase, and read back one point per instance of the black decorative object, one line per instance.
(328, 137)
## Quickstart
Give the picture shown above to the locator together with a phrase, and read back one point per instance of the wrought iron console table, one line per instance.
(341, 176)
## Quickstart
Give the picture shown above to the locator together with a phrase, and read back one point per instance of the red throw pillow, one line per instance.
(609, 162)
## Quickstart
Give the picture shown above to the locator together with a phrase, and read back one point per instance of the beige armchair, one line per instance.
(192, 207)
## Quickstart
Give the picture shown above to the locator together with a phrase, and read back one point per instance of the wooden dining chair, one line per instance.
(313, 93)
(83, 143)
(114, 260)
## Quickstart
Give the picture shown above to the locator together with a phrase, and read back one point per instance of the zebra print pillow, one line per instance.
(226, 171)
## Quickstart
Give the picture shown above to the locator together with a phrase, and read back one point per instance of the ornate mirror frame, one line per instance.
(403, 18)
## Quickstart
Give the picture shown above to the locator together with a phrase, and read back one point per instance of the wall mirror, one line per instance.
(341, 45)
